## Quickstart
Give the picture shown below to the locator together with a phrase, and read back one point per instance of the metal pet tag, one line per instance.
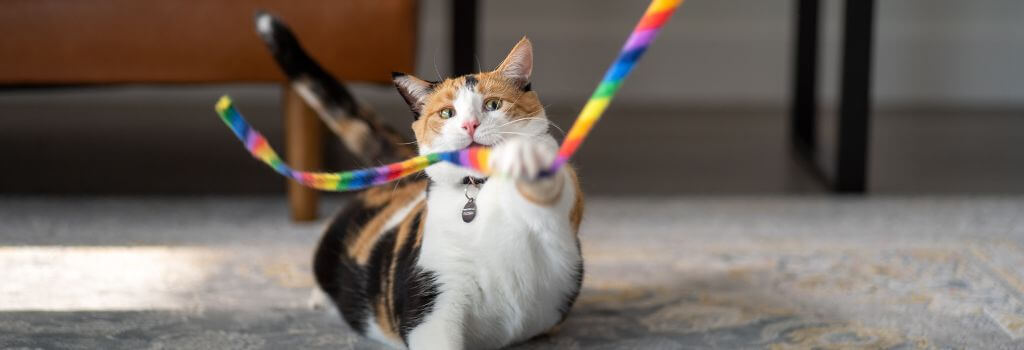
(469, 211)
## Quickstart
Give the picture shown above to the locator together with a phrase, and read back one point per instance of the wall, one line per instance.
(735, 52)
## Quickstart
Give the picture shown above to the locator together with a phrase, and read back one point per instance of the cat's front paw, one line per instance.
(318, 300)
(522, 158)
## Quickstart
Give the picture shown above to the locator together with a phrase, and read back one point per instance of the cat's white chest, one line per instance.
(513, 265)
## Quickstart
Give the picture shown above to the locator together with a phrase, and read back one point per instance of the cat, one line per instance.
(449, 259)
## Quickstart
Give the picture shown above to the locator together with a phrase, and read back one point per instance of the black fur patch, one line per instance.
(419, 301)
(528, 87)
(471, 81)
(414, 289)
(339, 276)
(379, 265)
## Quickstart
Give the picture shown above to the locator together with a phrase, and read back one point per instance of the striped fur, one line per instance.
(398, 263)
(377, 285)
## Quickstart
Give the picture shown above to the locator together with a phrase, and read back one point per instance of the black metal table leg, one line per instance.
(855, 97)
(803, 137)
(464, 36)
(855, 94)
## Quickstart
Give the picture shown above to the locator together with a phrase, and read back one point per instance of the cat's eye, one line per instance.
(492, 104)
(446, 113)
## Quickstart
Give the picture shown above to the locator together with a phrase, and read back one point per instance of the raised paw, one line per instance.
(522, 158)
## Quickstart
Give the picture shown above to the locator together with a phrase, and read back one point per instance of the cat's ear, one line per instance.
(518, 65)
(414, 90)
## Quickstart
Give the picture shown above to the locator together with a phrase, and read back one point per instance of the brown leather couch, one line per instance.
(64, 42)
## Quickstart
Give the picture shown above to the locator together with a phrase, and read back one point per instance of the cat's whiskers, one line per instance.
(393, 189)
(436, 71)
(527, 117)
(514, 133)
(548, 121)
(501, 139)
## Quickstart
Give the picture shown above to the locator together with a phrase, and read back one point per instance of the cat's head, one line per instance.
(477, 109)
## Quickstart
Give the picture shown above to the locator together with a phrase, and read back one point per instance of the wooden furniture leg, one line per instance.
(303, 136)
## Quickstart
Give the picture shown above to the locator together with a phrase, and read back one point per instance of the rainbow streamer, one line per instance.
(477, 158)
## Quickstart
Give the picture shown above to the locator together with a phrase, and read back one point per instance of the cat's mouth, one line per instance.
(484, 141)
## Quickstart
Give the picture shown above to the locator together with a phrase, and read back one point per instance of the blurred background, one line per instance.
(713, 97)
(130, 217)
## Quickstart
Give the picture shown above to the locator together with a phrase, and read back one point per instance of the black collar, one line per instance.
(473, 180)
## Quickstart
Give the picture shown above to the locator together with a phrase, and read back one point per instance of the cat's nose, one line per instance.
(470, 126)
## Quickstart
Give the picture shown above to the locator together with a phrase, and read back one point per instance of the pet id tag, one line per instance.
(469, 211)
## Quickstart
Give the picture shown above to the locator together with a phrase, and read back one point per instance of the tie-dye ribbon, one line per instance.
(477, 158)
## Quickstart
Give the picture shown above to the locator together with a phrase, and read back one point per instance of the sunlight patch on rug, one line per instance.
(102, 278)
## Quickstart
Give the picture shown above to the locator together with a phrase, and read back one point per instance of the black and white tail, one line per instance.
(358, 128)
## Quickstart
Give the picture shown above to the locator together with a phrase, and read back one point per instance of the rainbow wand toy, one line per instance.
(477, 158)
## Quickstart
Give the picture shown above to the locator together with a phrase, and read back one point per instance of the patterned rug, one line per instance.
(664, 274)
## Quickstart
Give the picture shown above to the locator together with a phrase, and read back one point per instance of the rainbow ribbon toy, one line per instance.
(477, 158)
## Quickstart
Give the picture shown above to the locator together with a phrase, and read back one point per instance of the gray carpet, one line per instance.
(691, 273)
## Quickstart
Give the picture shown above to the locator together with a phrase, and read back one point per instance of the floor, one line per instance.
(743, 272)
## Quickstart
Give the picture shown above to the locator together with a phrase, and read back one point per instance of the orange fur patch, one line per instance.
(545, 192)
(419, 230)
(576, 214)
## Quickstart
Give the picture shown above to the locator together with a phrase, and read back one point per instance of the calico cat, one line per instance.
(449, 259)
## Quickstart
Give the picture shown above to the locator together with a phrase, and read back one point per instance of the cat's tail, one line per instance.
(359, 129)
